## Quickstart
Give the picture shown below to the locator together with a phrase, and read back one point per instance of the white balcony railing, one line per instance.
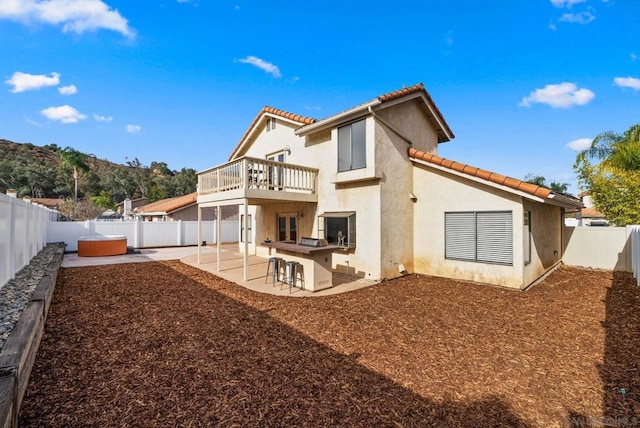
(260, 174)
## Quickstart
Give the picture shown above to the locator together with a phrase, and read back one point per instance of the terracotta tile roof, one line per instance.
(592, 212)
(168, 205)
(514, 183)
(273, 111)
(47, 202)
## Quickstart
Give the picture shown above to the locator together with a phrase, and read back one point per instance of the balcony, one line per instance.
(259, 181)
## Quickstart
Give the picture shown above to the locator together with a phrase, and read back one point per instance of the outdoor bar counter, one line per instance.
(315, 260)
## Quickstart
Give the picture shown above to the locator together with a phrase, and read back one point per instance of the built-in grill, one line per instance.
(313, 242)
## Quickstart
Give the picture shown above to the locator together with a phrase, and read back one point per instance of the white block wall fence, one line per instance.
(23, 233)
(143, 234)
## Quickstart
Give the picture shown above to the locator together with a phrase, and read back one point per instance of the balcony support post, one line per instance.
(245, 227)
(218, 236)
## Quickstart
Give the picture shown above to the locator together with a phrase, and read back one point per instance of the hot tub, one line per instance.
(107, 245)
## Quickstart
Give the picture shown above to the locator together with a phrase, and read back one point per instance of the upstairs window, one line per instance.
(271, 123)
(352, 146)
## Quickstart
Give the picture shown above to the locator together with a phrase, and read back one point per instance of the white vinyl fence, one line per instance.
(635, 252)
(599, 247)
(143, 234)
(23, 233)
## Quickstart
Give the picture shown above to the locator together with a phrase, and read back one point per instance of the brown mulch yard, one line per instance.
(164, 344)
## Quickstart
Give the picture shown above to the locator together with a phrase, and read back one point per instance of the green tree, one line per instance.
(539, 180)
(559, 187)
(77, 161)
(610, 169)
(155, 194)
(140, 175)
(185, 181)
(104, 200)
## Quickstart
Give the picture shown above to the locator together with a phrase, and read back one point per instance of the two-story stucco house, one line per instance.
(369, 180)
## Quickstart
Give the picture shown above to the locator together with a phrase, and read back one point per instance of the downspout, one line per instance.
(388, 125)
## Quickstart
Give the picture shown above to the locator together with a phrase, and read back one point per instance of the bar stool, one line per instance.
(293, 273)
(299, 276)
(273, 269)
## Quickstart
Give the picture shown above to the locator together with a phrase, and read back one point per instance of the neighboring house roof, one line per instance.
(133, 201)
(583, 194)
(48, 202)
(591, 213)
(167, 206)
(418, 90)
(309, 125)
(266, 110)
(532, 191)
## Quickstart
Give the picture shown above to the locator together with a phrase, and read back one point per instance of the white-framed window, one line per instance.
(338, 228)
(271, 124)
(479, 236)
(526, 234)
(352, 146)
(249, 226)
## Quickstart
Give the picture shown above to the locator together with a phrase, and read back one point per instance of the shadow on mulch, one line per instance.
(621, 368)
(119, 352)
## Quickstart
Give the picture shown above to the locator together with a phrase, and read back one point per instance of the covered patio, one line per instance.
(232, 268)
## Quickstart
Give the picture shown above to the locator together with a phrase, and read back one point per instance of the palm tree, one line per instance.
(615, 151)
(77, 161)
(613, 179)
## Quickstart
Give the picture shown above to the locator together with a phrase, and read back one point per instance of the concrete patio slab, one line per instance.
(231, 268)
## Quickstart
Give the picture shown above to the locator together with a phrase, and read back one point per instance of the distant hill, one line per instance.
(39, 172)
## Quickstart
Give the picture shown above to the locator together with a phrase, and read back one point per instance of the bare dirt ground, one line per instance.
(164, 344)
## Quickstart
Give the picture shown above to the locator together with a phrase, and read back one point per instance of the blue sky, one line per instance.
(519, 82)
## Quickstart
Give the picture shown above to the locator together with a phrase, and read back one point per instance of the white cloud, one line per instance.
(577, 18)
(75, 16)
(633, 56)
(68, 90)
(567, 3)
(133, 129)
(562, 95)
(627, 82)
(262, 65)
(99, 118)
(580, 144)
(64, 114)
(26, 82)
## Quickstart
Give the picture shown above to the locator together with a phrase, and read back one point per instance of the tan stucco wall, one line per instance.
(439, 192)
(379, 193)
(396, 184)
(278, 139)
(546, 239)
